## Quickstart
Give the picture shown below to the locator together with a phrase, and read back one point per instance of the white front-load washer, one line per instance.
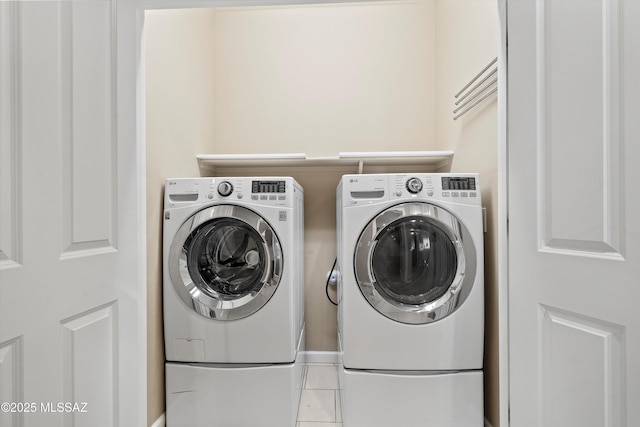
(411, 298)
(233, 269)
(233, 287)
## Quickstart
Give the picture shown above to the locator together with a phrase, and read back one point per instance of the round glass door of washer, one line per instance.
(415, 263)
(225, 262)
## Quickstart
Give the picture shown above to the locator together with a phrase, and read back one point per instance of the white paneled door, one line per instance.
(574, 210)
(71, 306)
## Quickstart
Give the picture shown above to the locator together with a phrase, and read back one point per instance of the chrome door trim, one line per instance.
(213, 305)
(458, 290)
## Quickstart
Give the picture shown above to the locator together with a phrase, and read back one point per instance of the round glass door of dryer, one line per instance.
(415, 263)
(225, 262)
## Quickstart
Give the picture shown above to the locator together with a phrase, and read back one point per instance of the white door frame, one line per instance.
(503, 241)
(143, 5)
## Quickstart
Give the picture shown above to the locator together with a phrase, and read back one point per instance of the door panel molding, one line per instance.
(89, 127)
(579, 135)
(90, 371)
(11, 238)
(582, 357)
(12, 384)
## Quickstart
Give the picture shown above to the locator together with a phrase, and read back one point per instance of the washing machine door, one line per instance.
(415, 263)
(225, 262)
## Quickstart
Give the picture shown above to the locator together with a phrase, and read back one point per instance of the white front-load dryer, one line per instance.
(411, 300)
(410, 254)
(233, 269)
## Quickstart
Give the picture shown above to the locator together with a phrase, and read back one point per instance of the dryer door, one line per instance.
(415, 263)
(225, 262)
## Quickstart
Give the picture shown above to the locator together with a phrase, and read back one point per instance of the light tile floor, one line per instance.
(320, 400)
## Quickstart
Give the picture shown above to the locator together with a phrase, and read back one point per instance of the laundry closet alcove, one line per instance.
(328, 81)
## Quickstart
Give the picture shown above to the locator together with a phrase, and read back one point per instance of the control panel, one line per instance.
(436, 185)
(367, 189)
(272, 192)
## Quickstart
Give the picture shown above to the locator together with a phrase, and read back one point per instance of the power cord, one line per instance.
(326, 288)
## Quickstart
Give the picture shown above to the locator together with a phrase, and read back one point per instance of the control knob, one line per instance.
(225, 188)
(414, 185)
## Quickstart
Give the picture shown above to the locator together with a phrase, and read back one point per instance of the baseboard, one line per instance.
(324, 357)
(160, 422)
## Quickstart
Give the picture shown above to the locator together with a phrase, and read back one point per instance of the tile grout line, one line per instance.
(334, 401)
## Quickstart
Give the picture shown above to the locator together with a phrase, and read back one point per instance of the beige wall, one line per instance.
(179, 105)
(324, 79)
(319, 80)
(467, 40)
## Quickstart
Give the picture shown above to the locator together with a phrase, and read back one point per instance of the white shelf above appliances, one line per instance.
(350, 161)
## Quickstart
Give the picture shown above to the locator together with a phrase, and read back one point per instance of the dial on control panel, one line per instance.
(414, 185)
(225, 188)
